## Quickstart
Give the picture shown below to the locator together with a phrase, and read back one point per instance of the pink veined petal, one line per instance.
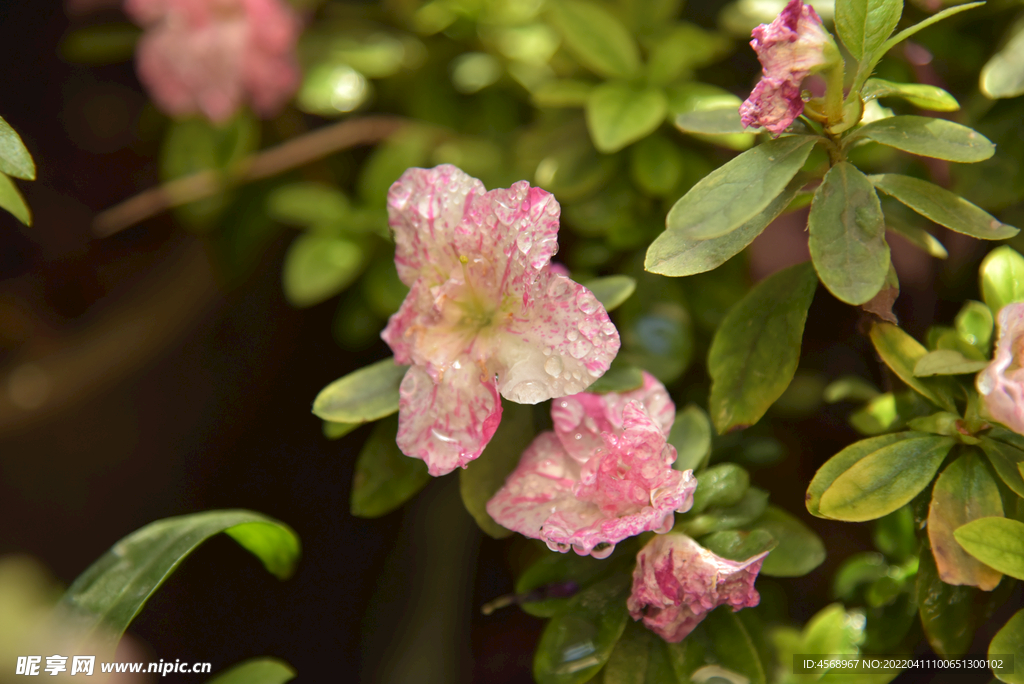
(1001, 383)
(447, 423)
(677, 582)
(558, 343)
(774, 105)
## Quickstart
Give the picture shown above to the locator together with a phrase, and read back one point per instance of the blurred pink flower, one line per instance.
(1001, 384)
(789, 49)
(486, 312)
(677, 582)
(603, 475)
(208, 56)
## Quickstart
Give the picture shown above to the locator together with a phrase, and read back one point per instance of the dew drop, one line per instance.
(553, 366)
(579, 348)
(609, 328)
(572, 335)
(578, 435)
(577, 375)
(524, 242)
(528, 392)
(602, 550)
(587, 302)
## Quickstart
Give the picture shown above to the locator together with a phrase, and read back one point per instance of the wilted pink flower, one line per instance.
(677, 582)
(789, 49)
(603, 475)
(1001, 384)
(209, 56)
(486, 312)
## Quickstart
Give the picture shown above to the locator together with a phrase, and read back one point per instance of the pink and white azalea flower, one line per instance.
(677, 582)
(208, 56)
(603, 475)
(789, 49)
(1001, 383)
(486, 313)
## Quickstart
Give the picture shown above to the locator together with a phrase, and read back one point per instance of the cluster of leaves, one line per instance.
(17, 162)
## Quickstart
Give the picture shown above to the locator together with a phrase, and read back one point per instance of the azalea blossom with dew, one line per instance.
(604, 474)
(210, 56)
(1001, 383)
(486, 313)
(677, 582)
(792, 47)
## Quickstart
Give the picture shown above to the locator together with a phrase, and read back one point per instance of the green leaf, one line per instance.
(563, 92)
(486, 475)
(596, 38)
(12, 201)
(363, 395)
(619, 114)
(612, 291)
(1002, 278)
(946, 362)
(997, 542)
(1010, 641)
(308, 204)
(846, 459)
(385, 478)
(256, 671)
(725, 121)
(578, 641)
(911, 30)
(691, 436)
(105, 598)
(927, 137)
(884, 480)
(924, 96)
(943, 207)
(674, 254)
(739, 545)
(317, 267)
(554, 569)
(736, 644)
(901, 352)
(334, 430)
(716, 519)
(833, 630)
(1003, 74)
(863, 25)
(919, 237)
(618, 378)
(682, 48)
(974, 325)
(100, 44)
(1005, 459)
(14, 157)
(894, 534)
(656, 165)
(723, 484)
(847, 239)
(638, 658)
(799, 549)
(948, 613)
(755, 351)
(849, 388)
(739, 190)
(965, 491)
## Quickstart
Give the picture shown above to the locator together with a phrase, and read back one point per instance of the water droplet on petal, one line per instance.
(524, 242)
(602, 550)
(579, 348)
(587, 302)
(553, 366)
(572, 335)
(985, 384)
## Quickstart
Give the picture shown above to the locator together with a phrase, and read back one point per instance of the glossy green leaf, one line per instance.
(755, 350)
(1006, 460)
(674, 254)
(946, 362)
(884, 480)
(14, 157)
(363, 395)
(849, 388)
(941, 423)
(105, 598)
(562, 93)
(1009, 640)
(963, 492)
(553, 569)
(833, 631)
(918, 94)
(847, 235)
(578, 641)
(335, 430)
(919, 237)
(948, 613)
(256, 671)
(683, 48)
(943, 207)
(927, 137)
(1003, 74)
(846, 459)
(308, 204)
(317, 267)
(656, 165)
(12, 201)
(799, 549)
(719, 518)
(974, 324)
(596, 38)
(619, 114)
(739, 190)
(724, 121)
(618, 378)
(857, 571)
(639, 657)
(901, 352)
(739, 545)
(935, 18)
(1002, 278)
(486, 475)
(612, 291)
(997, 542)
(723, 484)
(863, 25)
(691, 436)
(385, 478)
(736, 644)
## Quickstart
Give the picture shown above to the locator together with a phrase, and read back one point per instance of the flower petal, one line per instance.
(677, 582)
(1001, 383)
(447, 423)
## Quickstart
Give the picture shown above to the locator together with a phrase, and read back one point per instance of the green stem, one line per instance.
(834, 95)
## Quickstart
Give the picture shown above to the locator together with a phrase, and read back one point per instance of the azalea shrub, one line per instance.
(551, 214)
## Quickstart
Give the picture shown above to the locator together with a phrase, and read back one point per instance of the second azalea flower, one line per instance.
(603, 475)
(1001, 384)
(486, 313)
